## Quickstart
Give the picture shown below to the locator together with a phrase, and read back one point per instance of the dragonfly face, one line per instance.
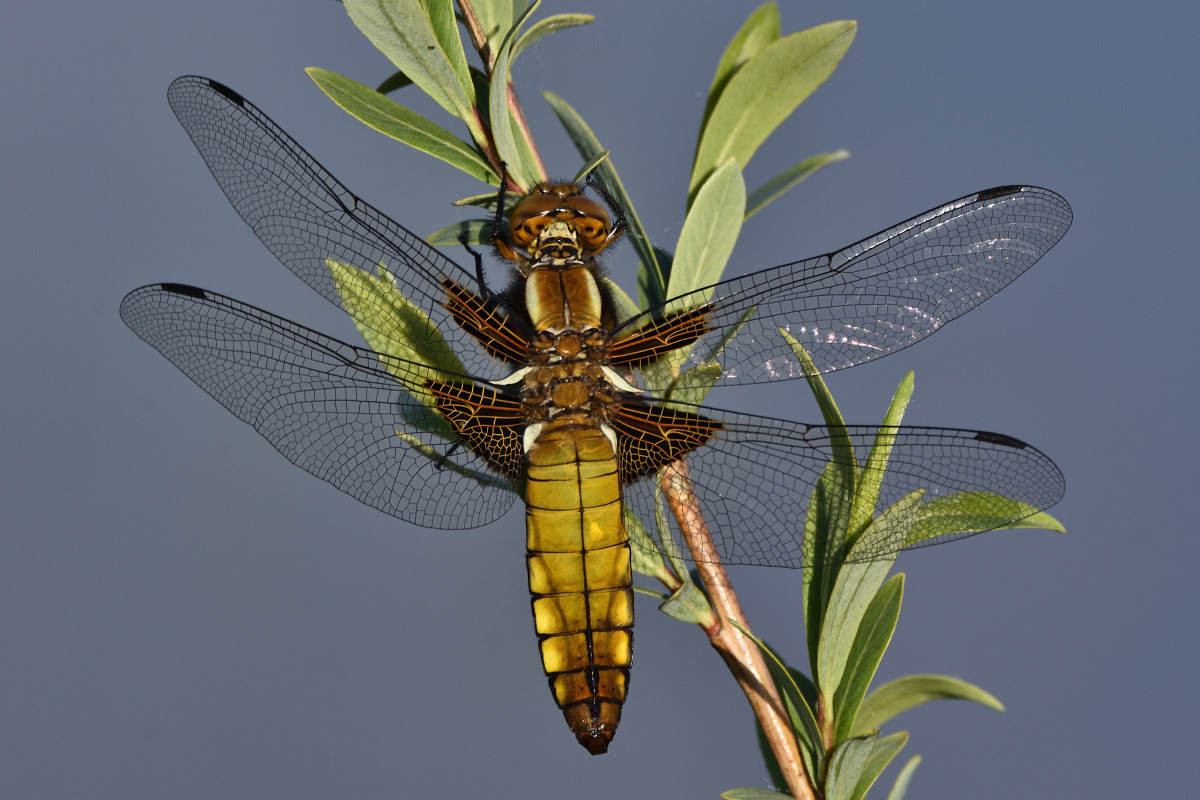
(466, 400)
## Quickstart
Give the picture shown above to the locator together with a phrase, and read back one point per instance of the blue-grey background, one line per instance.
(185, 615)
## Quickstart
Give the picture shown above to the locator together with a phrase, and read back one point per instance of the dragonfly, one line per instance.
(550, 392)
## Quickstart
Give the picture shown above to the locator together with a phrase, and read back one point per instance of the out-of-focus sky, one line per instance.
(183, 614)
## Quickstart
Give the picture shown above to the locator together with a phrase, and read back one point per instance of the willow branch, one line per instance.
(740, 654)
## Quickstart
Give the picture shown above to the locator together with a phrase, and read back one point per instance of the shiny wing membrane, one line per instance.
(865, 301)
(340, 412)
(754, 479)
(305, 216)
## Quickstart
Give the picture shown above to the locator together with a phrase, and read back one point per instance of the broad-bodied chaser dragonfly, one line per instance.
(469, 399)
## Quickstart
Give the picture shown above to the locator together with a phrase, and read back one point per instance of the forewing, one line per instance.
(306, 217)
(870, 299)
(337, 411)
(754, 478)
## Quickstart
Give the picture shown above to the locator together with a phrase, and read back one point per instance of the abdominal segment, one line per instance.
(580, 576)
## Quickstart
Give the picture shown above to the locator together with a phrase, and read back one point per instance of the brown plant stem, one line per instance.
(740, 654)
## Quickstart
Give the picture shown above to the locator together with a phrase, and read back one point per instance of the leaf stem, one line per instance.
(740, 654)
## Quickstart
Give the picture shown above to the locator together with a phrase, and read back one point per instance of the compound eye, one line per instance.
(591, 221)
(529, 216)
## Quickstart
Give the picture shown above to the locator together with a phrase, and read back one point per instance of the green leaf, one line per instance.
(971, 512)
(843, 449)
(588, 146)
(900, 787)
(902, 694)
(760, 29)
(688, 604)
(874, 634)
(394, 82)
(589, 167)
(646, 557)
(547, 26)
(753, 793)
(847, 765)
(421, 40)
(857, 583)
(477, 231)
(709, 232)
(785, 180)
(765, 91)
(392, 119)
(866, 491)
(824, 537)
(390, 324)
(700, 380)
(510, 144)
(829, 507)
(885, 749)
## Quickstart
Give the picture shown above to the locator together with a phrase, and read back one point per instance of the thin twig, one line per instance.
(741, 655)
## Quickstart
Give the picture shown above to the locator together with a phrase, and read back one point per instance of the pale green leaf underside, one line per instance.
(709, 232)
(423, 44)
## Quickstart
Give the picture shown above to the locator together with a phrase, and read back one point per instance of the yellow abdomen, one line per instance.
(580, 575)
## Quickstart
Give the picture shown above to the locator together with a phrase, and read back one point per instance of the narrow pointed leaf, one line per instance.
(784, 181)
(829, 507)
(866, 491)
(874, 634)
(765, 91)
(588, 147)
(902, 694)
(900, 787)
(969, 512)
(392, 119)
(760, 29)
(547, 26)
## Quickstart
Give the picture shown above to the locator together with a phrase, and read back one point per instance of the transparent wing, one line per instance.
(337, 411)
(305, 216)
(754, 480)
(876, 296)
